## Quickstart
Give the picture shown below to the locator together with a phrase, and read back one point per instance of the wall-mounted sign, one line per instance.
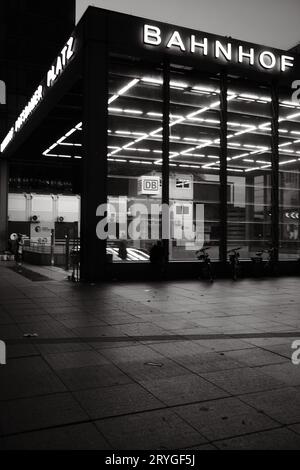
(294, 215)
(61, 62)
(56, 70)
(226, 51)
(149, 185)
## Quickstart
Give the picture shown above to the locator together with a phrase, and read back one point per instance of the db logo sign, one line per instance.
(149, 185)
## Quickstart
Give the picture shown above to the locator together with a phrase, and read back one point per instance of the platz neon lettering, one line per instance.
(203, 46)
(61, 62)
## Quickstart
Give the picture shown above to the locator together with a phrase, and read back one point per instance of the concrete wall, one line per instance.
(47, 207)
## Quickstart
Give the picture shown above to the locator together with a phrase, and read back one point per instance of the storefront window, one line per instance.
(289, 177)
(194, 166)
(134, 175)
(249, 168)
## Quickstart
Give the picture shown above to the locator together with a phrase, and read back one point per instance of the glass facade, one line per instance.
(134, 170)
(249, 167)
(194, 164)
(136, 176)
(289, 177)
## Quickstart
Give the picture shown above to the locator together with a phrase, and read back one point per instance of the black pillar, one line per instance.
(249, 210)
(3, 204)
(166, 146)
(223, 167)
(275, 171)
(94, 163)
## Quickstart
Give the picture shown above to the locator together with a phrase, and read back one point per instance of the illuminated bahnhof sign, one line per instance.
(60, 64)
(222, 50)
(174, 40)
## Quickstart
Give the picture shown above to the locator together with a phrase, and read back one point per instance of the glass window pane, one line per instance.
(289, 177)
(134, 176)
(249, 167)
(194, 166)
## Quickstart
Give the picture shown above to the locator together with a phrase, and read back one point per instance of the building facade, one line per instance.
(189, 138)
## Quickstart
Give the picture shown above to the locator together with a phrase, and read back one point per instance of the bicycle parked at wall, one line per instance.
(234, 262)
(271, 266)
(206, 266)
(258, 263)
(265, 266)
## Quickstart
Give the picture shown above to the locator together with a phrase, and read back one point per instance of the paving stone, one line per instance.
(159, 430)
(75, 359)
(73, 437)
(220, 419)
(116, 347)
(276, 439)
(116, 400)
(183, 389)
(61, 347)
(255, 357)
(20, 350)
(295, 428)
(286, 372)
(282, 405)
(195, 358)
(220, 344)
(242, 380)
(10, 332)
(26, 377)
(84, 378)
(39, 412)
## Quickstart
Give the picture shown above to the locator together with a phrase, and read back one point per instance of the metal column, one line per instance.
(166, 148)
(94, 163)
(3, 204)
(275, 171)
(223, 167)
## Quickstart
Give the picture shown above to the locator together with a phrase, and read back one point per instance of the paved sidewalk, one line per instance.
(176, 365)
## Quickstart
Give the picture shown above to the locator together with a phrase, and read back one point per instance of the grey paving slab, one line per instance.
(155, 430)
(10, 332)
(282, 405)
(220, 344)
(242, 380)
(20, 350)
(61, 347)
(295, 428)
(163, 359)
(286, 372)
(28, 414)
(224, 418)
(276, 439)
(71, 437)
(84, 378)
(183, 389)
(25, 377)
(196, 358)
(255, 357)
(69, 360)
(116, 400)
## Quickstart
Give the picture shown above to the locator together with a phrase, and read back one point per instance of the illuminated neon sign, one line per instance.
(222, 50)
(61, 62)
(56, 70)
